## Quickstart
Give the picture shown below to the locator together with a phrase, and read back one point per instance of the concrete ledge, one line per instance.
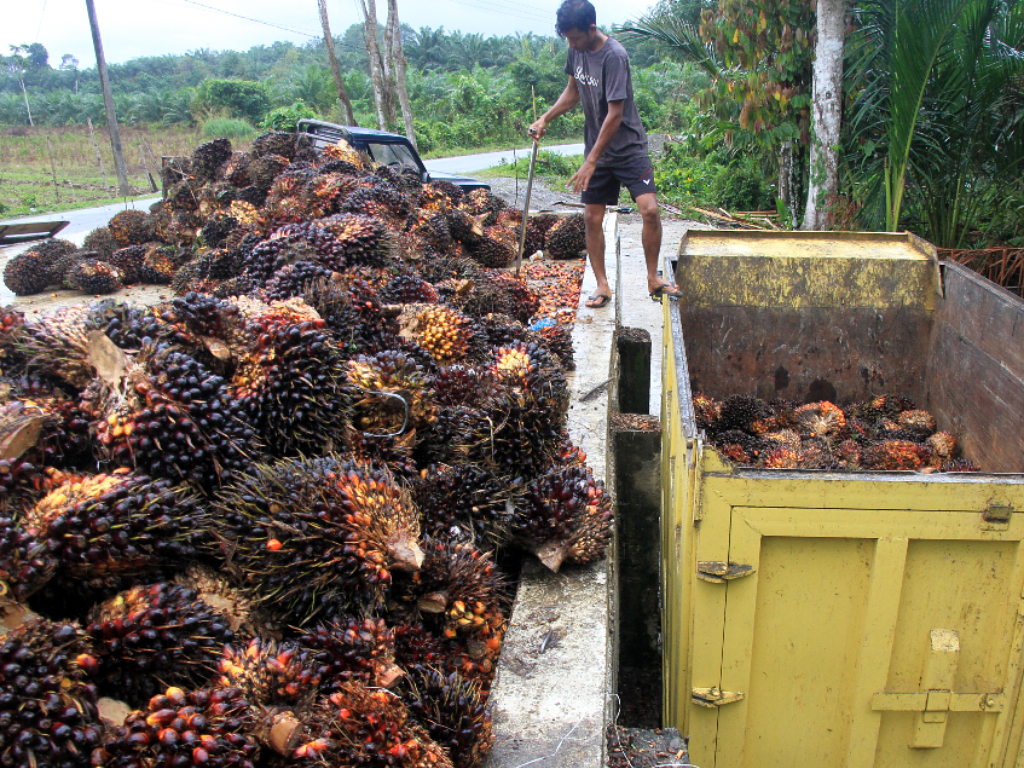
(552, 693)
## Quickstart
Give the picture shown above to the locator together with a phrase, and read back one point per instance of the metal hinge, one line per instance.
(718, 572)
(715, 697)
(997, 513)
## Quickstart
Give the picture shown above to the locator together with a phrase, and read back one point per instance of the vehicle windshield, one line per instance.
(395, 156)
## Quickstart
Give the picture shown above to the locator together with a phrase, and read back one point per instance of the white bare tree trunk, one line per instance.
(388, 71)
(350, 117)
(826, 109)
(369, 9)
(398, 57)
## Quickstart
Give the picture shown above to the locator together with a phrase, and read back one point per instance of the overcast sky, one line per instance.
(133, 28)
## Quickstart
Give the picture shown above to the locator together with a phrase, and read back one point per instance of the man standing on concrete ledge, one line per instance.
(615, 141)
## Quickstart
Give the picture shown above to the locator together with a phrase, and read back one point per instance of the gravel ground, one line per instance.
(513, 192)
(642, 748)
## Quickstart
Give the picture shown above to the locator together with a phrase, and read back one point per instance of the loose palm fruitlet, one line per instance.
(121, 524)
(567, 239)
(207, 728)
(453, 710)
(48, 714)
(310, 535)
(158, 632)
(353, 649)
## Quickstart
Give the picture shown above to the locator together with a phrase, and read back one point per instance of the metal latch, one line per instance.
(718, 572)
(997, 513)
(715, 697)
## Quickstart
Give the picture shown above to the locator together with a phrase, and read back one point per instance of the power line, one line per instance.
(42, 15)
(500, 12)
(250, 18)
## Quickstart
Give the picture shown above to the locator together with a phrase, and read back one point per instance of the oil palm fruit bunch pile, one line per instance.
(293, 489)
(885, 433)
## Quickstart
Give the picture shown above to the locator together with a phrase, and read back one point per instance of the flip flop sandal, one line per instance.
(666, 291)
(602, 299)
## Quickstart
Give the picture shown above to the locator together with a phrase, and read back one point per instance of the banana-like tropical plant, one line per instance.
(894, 55)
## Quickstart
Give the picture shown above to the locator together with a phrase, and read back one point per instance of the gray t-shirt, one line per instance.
(601, 77)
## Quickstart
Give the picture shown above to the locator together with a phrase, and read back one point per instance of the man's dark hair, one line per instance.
(575, 14)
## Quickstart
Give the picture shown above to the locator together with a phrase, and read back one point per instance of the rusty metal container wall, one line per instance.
(813, 618)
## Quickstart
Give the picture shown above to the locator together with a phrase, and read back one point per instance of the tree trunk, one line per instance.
(786, 193)
(387, 59)
(398, 54)
(826, 111)
(369, 9)
(24, 93)
(350, 117)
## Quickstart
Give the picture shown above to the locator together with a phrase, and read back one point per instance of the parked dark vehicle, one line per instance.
(388, 149)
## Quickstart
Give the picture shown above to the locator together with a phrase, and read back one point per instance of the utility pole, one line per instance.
(108, 102)
(350, 117)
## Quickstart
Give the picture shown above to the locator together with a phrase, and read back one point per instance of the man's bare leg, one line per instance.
(647, 205)
(593, 217)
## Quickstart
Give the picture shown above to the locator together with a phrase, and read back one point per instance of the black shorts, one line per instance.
(635, 173)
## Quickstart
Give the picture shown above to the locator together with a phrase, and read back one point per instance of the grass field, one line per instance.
(26, 177)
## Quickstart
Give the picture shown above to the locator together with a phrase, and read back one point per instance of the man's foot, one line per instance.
(666, 289)
(598, 300)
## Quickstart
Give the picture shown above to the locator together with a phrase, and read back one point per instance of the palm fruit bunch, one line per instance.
(102, 241)
(497, 248)
(820, 419)
(209, 157)
(315, 535)
(287, 201)
(26, 563)
(390, 393)
(262, 172)
(293, 242)
(217, 228)
(381, 200)
(567, 239)
(433, 227)
(94, 276)
(361, 239)
(117, 525)
(128, 261)
(57, 345)
(270, 674)
(352, 310)
(466, 227)
(500, 292)
(290, 385)
(454, 712)
(207, 728)
(27, 273)
(274, 143)
(159, 265)
(417, 645)
(537, 229)
(480, 202)
(294, 279)
(48, 714)
(366, 727)
(466, 502)
(239, 609)
(131, 227)
(326, 192)
(353, 649)
(445, 333)
(236, 170)
(565, 517)
(408, 288)
(457, 592)
(160, 632)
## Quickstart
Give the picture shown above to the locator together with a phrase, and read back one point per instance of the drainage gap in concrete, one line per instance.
(634, 360)
(637, 449)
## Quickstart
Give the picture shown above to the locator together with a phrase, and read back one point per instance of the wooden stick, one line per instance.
(99, 157)
(145, 167)
(53, 169)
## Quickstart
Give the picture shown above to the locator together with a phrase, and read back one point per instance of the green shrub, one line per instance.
(286, 118)
(228, 128)
(741, 187)
(231, 98)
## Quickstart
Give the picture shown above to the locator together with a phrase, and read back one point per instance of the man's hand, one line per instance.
(581, 179)
(538, 129)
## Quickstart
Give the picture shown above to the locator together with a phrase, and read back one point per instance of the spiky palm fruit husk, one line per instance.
(291, 385)
(47, 704)
(821, 419)
(152, 636)
(390, 392)
(274, 143)
(307, 532)
(497, 248)
(466, 227)
(262, 172)
(344, 152)
(26, 564)
(433, 228)
(706, 411)
(499, 292)
(27, 273)
(326, 192)
(408, 288)
(119, 524)
(236, 169)
(465, 502)
(95, 277)
(740, 412)
(353, 649)
(131, 227)
(207, 728)
(294, 279)
(363, 240)
(453, 710)
(208, 157)
(101, 240)
(482, 202)
(893, 455)
(270, 674)
(366, 727)
(566, 517)
(568, 238)
(217, 228)
(183, 197)
(445, 333)
(784, 437)
(128, 261)
(159, 265)
(57, 344)
(458, 590)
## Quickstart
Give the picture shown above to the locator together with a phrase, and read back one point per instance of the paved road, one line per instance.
(471, 163)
